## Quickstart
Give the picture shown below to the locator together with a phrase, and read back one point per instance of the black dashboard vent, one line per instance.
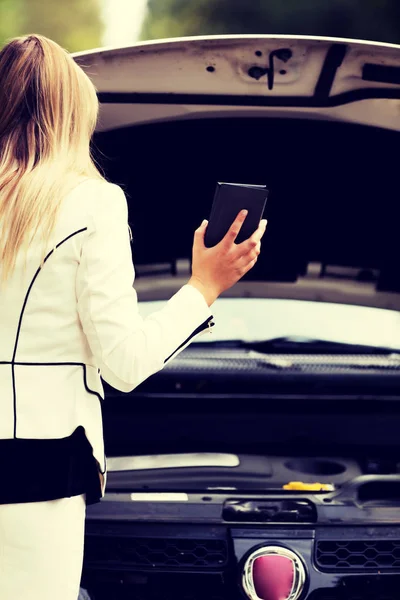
(156, 552)
(357, 555)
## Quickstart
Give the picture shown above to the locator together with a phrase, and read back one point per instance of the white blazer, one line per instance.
(75, 319)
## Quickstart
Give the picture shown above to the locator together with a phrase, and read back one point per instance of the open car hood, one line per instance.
(317, 77)
(316, 119)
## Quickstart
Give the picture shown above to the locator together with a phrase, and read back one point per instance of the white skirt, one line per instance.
(41, 549)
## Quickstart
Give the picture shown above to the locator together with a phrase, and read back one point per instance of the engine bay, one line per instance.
(237, 457)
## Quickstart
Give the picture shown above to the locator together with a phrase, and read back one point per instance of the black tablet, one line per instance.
(229, 200)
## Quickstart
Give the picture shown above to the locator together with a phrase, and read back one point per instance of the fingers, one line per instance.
(247, 266)
(253, 252)
(250, 249)
(259, 232)
(200, 233)
(234, 229)
(250, 265)
(263, 226)
(202, 229)
(250, 256)
(254, 241)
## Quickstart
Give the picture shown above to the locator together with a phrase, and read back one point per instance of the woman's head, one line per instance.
(48, 112)
(48, 104)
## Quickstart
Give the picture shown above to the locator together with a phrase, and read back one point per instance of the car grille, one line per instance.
(157, 552)
(131, 594)
(227, 360)
(176, 595)
(119, 585)
(355, 555)
(356, 595)
(127, 563)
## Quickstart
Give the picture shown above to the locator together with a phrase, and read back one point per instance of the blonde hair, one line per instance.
(48, 113)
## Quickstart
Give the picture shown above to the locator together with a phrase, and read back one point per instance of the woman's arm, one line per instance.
(127, 348)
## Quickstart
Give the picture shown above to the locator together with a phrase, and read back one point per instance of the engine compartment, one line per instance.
(253, 437)
(331, 190)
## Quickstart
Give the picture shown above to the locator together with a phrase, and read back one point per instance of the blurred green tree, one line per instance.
(74, 24)
(361, 19)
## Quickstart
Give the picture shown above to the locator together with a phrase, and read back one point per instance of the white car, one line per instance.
(263, 462)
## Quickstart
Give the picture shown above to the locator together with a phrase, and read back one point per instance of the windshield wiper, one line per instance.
(299, 345)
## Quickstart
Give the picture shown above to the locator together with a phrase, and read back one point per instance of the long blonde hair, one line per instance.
(48, 113)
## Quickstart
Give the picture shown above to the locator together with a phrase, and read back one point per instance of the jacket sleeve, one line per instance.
(127, 348)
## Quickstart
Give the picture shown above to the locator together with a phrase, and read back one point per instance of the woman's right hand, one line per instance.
(216, 269)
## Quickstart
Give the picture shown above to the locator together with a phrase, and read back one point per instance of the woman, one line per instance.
(68, 314)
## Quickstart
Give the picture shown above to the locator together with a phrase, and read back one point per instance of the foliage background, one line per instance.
(79, 24)
(377, 20)
(75, 24)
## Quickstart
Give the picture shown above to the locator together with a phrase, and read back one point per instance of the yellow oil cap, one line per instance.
(309, 487)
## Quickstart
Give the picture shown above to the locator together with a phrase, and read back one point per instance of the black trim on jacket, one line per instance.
(42, 470)
(20, 323)
(38, 470)
(206, 325)
(63, 364)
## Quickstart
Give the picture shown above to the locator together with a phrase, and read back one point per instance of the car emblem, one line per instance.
(273, 573)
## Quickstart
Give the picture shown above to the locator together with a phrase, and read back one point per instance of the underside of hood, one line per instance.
(314, 77)
(178, 116)
(333, 193)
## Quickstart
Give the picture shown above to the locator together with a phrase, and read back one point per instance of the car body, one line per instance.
(299, 380)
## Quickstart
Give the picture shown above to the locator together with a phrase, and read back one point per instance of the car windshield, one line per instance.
(263, 319)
